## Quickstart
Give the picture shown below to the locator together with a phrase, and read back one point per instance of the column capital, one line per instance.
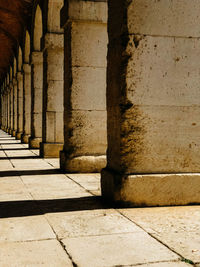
(95, 10)
(14, 81)
(36, 57)
(19, 75)
(27, 68)
(53, 41)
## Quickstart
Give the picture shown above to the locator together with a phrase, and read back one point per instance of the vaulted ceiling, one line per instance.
(14, 14)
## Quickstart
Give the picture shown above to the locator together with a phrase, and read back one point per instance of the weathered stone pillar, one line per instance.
(20, 106)
(85, 44)
(11, 107)
(153, 102)
(3, 110)
(26, 103)
(36, 110)
(15, 106)
(53, 106)
(6, 109)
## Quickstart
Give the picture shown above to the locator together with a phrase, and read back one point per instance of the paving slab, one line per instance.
(47, 253)
(88, 223)
(53, 186)
(55, 162)
(117, 250)
(25, 229)
(177, 227)
(12, 185)
(15, 196)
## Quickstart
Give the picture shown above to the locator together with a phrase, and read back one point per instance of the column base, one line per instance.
(50, 150)
(18, 136)
(35, 142)
(25, 138)
(151, 189)
(82, 164)
(13, 133)
(10, 131)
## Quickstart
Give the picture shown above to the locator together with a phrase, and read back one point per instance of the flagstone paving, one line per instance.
(48, 218)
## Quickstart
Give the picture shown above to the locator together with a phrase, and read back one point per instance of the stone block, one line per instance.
(55, 96)
(18, 135)
(89, 44)
(59, 124)
(35, 142)
(164, 17)
(81, 164)
(54, 60)
(87, 133)
(88, 88)
(25, 138)
(95, 11)
(151, 189)
(50, 150)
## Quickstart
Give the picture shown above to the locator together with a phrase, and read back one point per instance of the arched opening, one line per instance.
(27, 47)
(53, 16)
(38, 29)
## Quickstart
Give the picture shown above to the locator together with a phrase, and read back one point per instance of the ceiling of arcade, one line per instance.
(14, 14)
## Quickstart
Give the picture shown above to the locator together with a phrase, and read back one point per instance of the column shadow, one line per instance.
(30, 172)
(10, 209)
(20, 157)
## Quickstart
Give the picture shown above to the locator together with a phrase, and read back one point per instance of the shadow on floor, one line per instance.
(20, 157)
(39, 207)
(24, 148)
(30, 172)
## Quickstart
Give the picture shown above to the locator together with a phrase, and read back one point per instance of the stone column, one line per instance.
(85, 44)
(15, 106)
(26, 103)
(53, 105)
(5, 110)
(36, 109)
(11, 108)
(153, 102)
(3, 115)
(20, 106)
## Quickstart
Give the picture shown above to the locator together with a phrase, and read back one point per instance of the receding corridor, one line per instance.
(54, 219)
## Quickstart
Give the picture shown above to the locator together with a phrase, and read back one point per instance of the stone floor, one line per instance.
(52, 219)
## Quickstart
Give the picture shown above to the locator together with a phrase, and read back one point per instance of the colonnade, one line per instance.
(142, 131)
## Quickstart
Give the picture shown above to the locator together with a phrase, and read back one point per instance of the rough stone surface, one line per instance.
(85, 86)
(153, 111)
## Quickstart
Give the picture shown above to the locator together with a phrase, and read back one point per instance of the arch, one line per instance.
(27, 47)
(19, 67)
(38, 29)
